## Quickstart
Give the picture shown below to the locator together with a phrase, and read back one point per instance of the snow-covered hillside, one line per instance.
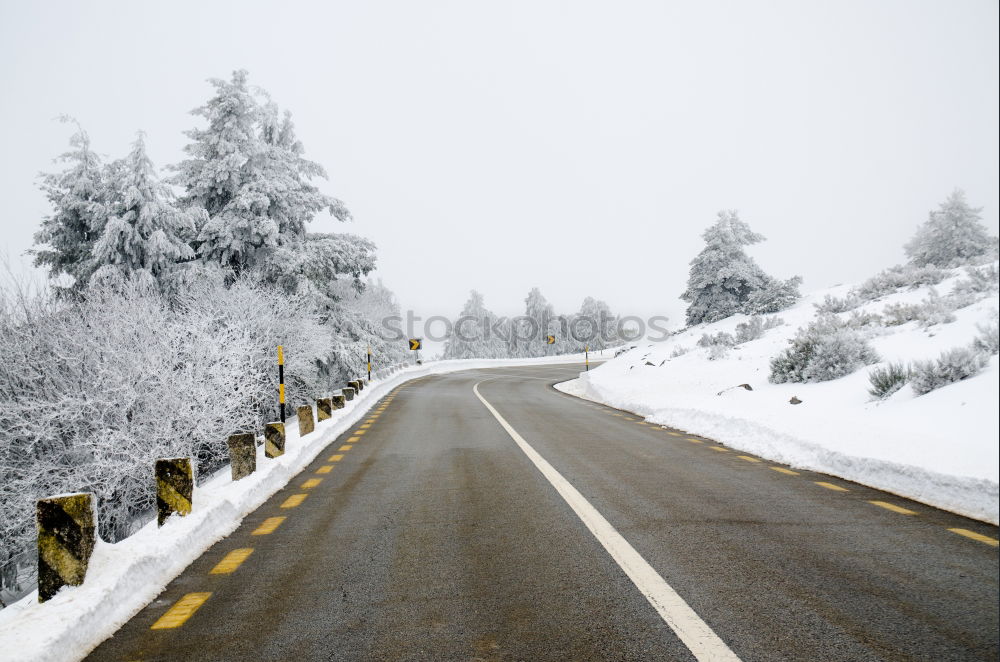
(940, 448)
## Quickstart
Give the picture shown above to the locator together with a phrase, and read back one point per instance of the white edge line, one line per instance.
(699, 638)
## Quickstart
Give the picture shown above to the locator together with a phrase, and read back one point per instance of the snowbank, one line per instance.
(126, 576)
(940, 448)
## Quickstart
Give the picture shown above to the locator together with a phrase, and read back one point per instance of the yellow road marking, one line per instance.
(786, 471)
(695, 441)
(353, 439)
(617, 414)
(365, 425)
(325, 469)
(640, 422)
(311, 483)
(976, 536)
(675, 434)
(893, 507)
(182, 610)
(831, 486)
(294, 500)
(268, 526)
(719, 448)
(231, 561)
(345, 447)
(335, 458)
(748, 458)
(360, 431)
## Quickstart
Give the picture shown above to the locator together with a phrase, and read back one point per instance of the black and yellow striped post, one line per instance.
(586, 357)
(306, 422)
(274, 439)
(281, 381)
(324, 409)
(174, 487)
(369, 363)
(337, 400)
(242, 454)
(66, 537)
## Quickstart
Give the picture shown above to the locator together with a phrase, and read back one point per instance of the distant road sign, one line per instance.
(415, 343)
(550, 340)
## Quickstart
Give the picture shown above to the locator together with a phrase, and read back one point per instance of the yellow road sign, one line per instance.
(415, 343)
(550, 340)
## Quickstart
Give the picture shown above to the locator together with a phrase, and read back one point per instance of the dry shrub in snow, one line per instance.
(832, 304)
(932, 310)
(988, 340)
(888, 379)
(93, 391)
(826, 349)
(952, 366)
(897, 278)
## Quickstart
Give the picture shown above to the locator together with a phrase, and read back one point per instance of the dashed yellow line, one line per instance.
(360, 431)
(268, 526)
(719, 448)
(640, 423)
(674, 434)
(231, 561)
(335, 458)
(785, 471)
(294, 500)
(365, 425)
(976, 536)
(325, 469)
(749, 458)
(893, 507)
(695, 441)
(353, 439)
(311, 483)
(182, 610)
(831, 486)
(345, 447)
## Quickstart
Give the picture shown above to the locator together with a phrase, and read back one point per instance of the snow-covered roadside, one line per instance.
(125, 576)
(939, 448)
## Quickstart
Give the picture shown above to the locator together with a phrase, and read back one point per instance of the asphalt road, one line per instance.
(438, 536)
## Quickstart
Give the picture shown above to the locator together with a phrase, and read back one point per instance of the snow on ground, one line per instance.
(125, 576)
(940, 448)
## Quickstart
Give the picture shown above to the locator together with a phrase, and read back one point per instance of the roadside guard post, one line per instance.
(306, 422)
(66, 539)
(369, 363)
(281, 381)
(586, 356)
(242, 454)
(274, 439)
(174, 487)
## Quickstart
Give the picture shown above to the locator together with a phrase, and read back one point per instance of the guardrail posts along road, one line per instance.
(274, 439)
(66, 538)
(174, 487)
(348, 393)
(306, 422)
(242, 454)
(337, 401)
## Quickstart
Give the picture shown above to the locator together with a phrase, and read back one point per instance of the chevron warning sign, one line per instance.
(174, 487)
(551, 340)
(65, 541)
(415, 344)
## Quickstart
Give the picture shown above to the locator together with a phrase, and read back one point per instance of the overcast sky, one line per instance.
(578, 147)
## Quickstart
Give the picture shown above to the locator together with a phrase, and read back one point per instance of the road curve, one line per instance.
(434, 535)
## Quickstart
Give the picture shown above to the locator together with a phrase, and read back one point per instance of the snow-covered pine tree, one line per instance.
(952, 235)
(595, 326)
(723, 277)
(540, 322)
(473, 335)
(76, 194)
(247, 172)
(145, 234)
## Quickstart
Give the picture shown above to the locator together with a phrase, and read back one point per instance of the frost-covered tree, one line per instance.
(145, 234)
(595, 326)
(952, 235)
(539, 321)
(76, 194)
(724, 280)
(247, 172)
(473, 335)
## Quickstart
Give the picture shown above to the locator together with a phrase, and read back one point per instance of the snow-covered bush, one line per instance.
(952, 235)
(952, 366)
(932, 310)
(886, 380)
(93, 390)
(775, 296)
(826, 349)
(679, 351)
(988, 340)
(832, 304)
(773, 322)
(859, 319)
(896, 278)
(981, 280)
(718, 344)
(752, 329)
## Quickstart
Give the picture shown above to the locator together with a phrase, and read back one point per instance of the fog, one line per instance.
(577, 147)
